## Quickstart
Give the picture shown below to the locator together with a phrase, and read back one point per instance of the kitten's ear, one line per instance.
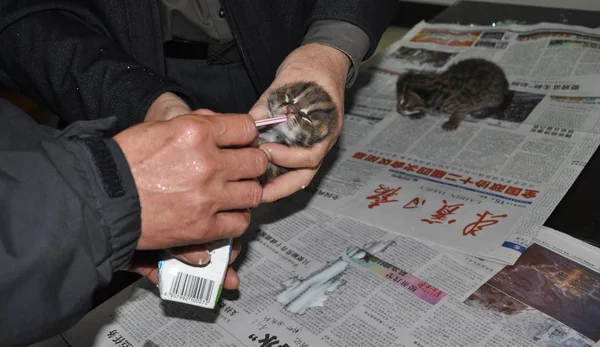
(413, 99)
(402, 93)
(400, 98)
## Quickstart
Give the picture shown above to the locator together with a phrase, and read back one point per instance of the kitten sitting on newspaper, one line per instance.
(475, 87)
(311, 116)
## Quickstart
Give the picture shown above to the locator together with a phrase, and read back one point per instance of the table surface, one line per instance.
(578, 213)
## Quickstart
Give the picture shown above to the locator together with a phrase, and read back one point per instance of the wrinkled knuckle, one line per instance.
(261, 160)
(190, 130)
(255, 194)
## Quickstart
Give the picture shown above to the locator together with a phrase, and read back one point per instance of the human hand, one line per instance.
(167, 106)
(195, 176)
(145, 263)
(328, 67)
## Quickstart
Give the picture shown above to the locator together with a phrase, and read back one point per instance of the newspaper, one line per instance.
(485, 188)
(321, 268)
(313, 279)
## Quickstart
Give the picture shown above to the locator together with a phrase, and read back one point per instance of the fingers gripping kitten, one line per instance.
(311, 117)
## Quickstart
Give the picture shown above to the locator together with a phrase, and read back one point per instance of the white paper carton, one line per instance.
(195, 285)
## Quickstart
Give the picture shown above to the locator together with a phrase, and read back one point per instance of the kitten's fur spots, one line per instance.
(311, 113)
(472, 86)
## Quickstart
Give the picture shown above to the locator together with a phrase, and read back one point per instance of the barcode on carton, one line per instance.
(186, 286)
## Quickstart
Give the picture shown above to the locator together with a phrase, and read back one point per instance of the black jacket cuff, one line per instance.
(111, 188)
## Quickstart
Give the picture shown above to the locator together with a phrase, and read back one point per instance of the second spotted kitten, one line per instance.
(475, 87)
(311, 116)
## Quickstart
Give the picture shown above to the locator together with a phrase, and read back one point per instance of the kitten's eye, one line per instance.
(304, 119)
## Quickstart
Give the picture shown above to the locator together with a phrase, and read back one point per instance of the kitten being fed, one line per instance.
(311, 116)
(475, 87)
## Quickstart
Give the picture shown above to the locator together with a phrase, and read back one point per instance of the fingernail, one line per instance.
(303, 187)
(259, 110)
(267, 153)
(204, 258)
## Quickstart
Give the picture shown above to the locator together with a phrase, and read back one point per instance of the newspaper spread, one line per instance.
(485, 188)
(334, 293)
(349, 262)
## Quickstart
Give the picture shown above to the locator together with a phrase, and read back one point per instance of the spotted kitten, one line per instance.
(475, 87)
(311, 117)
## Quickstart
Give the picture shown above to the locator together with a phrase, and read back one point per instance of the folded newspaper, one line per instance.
(410, 235)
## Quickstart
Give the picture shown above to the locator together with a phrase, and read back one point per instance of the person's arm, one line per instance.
(346, 37)
(353, 27)
(69, 218)
(373, 18)
(60, 54)
(78, 204)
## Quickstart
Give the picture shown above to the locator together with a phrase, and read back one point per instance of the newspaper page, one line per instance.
(308, 278)
(316, 279)
(485, 188)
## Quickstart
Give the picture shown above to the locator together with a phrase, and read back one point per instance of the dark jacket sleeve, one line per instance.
(373, 17)
(62, 54)
(69, 218)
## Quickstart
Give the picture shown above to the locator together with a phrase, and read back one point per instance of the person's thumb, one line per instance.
(260, 110)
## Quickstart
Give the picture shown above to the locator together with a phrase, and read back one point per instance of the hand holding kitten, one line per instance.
(328, 67)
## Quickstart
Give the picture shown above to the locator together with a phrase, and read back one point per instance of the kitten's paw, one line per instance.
(449, 126)
(400, 113)
(417, 116)
(479, 114)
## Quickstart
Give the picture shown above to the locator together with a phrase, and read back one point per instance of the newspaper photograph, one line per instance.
(484, 188)
(414, 233)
